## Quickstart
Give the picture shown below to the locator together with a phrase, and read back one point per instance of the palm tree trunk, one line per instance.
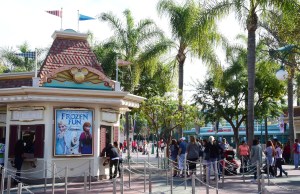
(180, 58)
(251, 84)
(290, 107)
(251, 27)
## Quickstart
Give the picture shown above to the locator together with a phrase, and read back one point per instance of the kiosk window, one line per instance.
(33, 137)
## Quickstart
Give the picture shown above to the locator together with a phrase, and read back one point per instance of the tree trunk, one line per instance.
(236, 137)
(266, 130)
(290, 107)
(181, 59)
(251, 27)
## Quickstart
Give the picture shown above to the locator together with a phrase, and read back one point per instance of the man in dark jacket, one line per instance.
(113, 160)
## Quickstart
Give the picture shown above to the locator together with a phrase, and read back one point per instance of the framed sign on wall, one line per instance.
(73, 135)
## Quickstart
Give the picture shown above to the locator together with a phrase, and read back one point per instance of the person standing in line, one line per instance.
(296, 153)
(214, 150)
(124, 146)
(120, 157)
(19, 158)
(270, 153)
(243, 152)
(113, 160)
(287, 152)
(174, 156)
(279, 160)
(192, 154)
(205, 157)
(181, 155)
(255, 157)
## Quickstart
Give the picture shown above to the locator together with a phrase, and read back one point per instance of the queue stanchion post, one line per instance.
(207, 177)
(258, 177)
(223, 171)
(184, 171)
(193, 184)
(8, 184)
(171, 181)
(114, 186)
(85, 183)
(20, 187)
(90, 174)
(66, 179)
(122, 179)
(144, 176)
(150, 182)
(45, 183)
(53, 177)
(216, 176)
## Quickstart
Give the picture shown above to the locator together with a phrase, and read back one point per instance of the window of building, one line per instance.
(33, 137)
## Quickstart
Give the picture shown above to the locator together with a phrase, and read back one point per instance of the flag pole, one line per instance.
(35, 71)
(78, 20)
(61, 14)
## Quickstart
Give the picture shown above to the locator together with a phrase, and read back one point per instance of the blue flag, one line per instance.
(27, 54)
(84, 17)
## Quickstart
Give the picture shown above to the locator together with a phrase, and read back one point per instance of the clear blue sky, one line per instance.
(26, 20)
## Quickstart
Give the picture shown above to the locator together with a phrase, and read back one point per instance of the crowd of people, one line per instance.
(186, 154)
(211, 151)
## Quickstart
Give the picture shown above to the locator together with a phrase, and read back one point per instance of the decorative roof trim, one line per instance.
(44, 78)
(69, 35)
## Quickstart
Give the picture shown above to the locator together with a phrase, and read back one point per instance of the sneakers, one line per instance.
(286, 174)
(253, 181)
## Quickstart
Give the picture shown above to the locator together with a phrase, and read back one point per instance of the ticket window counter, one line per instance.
(33, 138)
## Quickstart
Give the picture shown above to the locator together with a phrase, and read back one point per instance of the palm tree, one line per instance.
(142, 44)
(192, 33)
(248, 11)
(282, 29)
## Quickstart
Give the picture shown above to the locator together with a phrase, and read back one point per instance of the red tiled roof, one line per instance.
(69, 51)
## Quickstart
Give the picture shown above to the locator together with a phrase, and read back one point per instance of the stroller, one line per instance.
(231, 164)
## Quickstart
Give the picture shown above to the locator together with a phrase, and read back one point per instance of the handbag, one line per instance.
(280, 161)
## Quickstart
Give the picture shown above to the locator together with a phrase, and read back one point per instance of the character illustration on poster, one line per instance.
(85, 140)
(60, 138)
(73, 132)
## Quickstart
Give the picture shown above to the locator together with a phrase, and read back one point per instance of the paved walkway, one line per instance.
(232, 184)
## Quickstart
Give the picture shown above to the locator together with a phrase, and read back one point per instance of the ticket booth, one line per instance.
(66, 114)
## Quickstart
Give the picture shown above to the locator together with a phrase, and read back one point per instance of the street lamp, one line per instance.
(282, 74)
(121, 63)
(282, 53)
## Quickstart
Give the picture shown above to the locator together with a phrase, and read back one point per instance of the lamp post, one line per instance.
(122, 63)
(282, 53)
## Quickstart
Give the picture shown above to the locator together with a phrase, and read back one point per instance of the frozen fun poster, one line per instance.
(73, 132)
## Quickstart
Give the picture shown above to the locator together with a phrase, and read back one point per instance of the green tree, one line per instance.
(227, 99)
(192, 34)
(142, 44)
(163, 115)
(15, 63)
(282, 30)
(248, 11)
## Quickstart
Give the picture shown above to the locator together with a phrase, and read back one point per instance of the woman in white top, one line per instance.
(279, 159)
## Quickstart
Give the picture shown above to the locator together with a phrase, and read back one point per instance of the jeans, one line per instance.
(18, 165)
(296, 160)
(114, 163)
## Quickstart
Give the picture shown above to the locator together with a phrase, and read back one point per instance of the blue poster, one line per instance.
(73, 132)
